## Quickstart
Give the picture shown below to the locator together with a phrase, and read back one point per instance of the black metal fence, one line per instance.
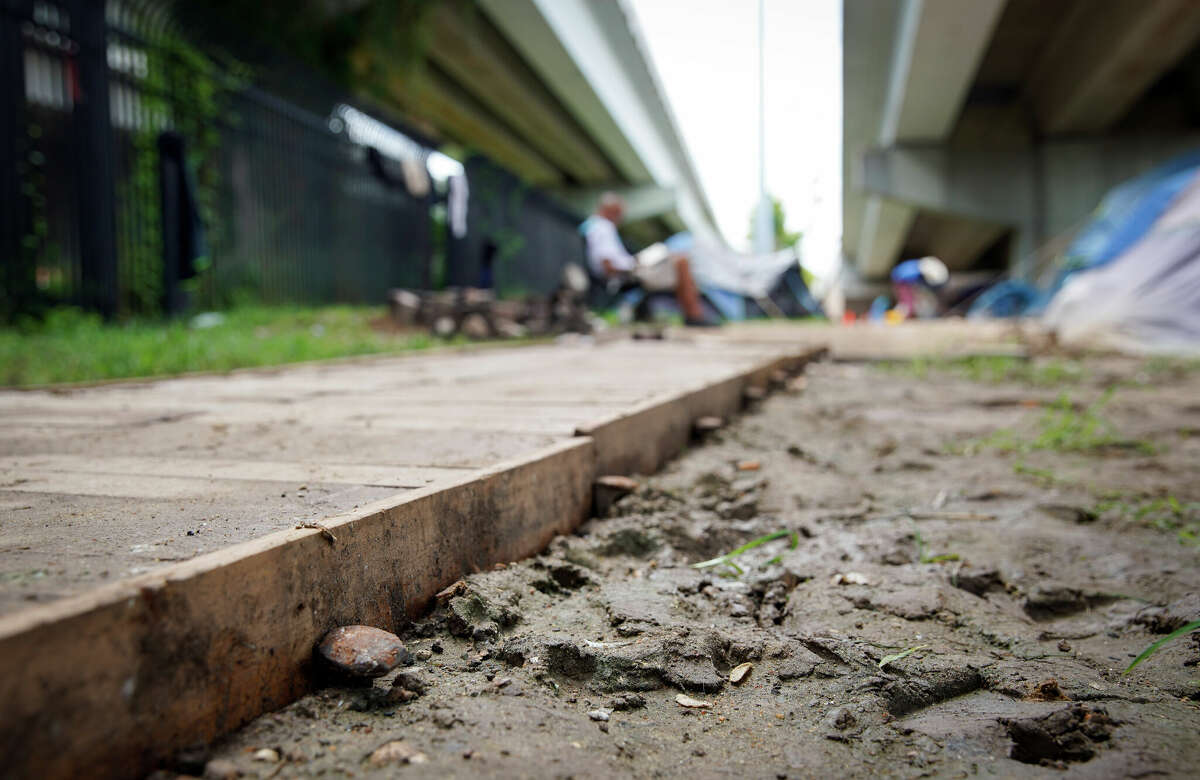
(294, 206)
(526, 237)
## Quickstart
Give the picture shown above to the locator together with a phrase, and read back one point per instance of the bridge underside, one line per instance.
(561, 94)
(984, 133)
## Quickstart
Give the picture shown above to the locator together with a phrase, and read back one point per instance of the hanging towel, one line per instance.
(457, 205)
(184, 239)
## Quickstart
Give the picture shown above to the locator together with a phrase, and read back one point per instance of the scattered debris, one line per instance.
(609, 489)
(740, 672)
(325, 532)
(707, 425)
(841, 719)
(267, 755)
(363, 651)
(477, 314)
(683, 700)
(457, 588)
(1048, 690)
(396, 752)
(600, 714)
(221, 769)
(749, 465)
(849, 578)
(627, 701)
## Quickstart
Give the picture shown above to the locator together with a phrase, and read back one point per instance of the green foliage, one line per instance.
(1152, 649)
(363, 45)
(1062, 428)
(784, 238)
(993, 369)
(71, 346)
(1044, 477)
(186, 91)
(923, 554)
(1164, 513)
(727, 559)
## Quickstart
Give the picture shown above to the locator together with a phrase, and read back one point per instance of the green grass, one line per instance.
(1152, 649)
(1165, 513)
(727, 559)
(1044, 477)
(1063, 428)
(994, 369)
(70, 346)
(923, 554)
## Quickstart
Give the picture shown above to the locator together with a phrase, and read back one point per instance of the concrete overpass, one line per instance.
(983, 132)
(563, 94)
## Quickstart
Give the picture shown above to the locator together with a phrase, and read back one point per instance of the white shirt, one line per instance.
(604, 243)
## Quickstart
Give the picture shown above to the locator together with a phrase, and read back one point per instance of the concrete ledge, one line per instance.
(643, 439)
(107, 684)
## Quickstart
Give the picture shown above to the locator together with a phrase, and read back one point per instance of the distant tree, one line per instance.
(784, 239)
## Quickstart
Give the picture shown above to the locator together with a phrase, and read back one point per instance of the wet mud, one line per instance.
(938, 604)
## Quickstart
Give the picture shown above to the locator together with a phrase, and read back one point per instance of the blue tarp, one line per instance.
(1123, 218)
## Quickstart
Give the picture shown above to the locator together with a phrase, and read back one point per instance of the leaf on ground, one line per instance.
(887, 659)
(683, 700)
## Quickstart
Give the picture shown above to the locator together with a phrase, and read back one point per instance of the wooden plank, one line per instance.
(204, 469)
(643, 439)
(105, 684)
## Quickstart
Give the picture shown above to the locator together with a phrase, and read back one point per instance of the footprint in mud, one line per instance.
(1050, 601)
(1071, 734)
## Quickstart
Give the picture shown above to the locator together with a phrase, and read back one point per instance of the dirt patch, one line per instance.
(931, 620)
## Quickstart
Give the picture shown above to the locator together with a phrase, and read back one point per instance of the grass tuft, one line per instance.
(923, 554)
(1165, 513)
(727, 558)
(1152, 649)
(1063, 428)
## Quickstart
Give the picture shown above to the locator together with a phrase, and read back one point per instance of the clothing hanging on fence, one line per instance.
(456, 205)
(183, 230)
(416, 177)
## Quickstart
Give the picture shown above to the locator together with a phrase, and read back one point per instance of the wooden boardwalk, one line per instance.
(101, 483)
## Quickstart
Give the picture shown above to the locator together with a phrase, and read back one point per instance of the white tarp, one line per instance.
(1148, 299)
(748, 274)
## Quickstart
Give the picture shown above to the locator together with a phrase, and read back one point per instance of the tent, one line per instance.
(1130, 279)
(1147, 297)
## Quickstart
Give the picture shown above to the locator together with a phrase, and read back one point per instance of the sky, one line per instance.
(706, 54)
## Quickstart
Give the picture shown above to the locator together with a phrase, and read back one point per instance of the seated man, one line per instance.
(911, 275)
(609, 260)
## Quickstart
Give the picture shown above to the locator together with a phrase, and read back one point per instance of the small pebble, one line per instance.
(363, 651)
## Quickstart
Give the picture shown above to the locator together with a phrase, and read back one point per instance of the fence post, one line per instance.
(16, 272)
(92, 129)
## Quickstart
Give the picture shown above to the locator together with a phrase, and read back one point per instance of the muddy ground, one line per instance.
(1026, 527)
